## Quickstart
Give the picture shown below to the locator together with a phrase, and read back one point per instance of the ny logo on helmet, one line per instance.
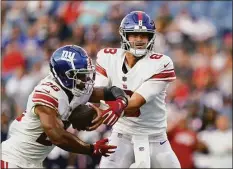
(67, 55)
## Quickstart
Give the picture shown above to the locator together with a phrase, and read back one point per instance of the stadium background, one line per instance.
(196, 35)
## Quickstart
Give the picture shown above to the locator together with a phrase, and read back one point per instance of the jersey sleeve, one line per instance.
(165, 72)
(149, 89)
(101, 78)
(46, 94)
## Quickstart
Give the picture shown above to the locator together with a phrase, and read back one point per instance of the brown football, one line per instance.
(82, 116)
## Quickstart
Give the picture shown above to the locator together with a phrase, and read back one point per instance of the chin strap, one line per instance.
(138, 52)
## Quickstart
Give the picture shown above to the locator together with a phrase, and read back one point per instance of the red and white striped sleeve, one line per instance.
(44, 97)
(165, 75)
(102, 63)
(100, 70)
(165, 72)
(101, 78)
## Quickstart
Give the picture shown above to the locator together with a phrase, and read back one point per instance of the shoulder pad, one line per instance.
(164, 70)
(47, 93)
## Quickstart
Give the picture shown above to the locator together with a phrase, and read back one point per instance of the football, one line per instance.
(82, 116)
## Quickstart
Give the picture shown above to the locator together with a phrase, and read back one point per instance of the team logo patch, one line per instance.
(141, 148)
(119, 135)
(124, 78)
(67, 55)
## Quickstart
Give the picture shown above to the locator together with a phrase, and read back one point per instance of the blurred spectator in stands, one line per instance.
(21, 84)
(8, 111)
(92, 12)
(219, 143)
(184, 142)
(16, 34)
(32, 49)
(224, 82)
(209, 116)
(226, 110)
(42, 26)
(58, 29)
(203, 54)
(194, 115)
(92, 35)
(179, 92)
(47, 53)
(183, 65)
(36, 9)
(135, 6)
(92, 49)
(4, 9)
(15, 25)
(227, 41)
(163, 19)
(12, 59)
(111, 22)
(160, 45)
(78, 33)
(70, 11)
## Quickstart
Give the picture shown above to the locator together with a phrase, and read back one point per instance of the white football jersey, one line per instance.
(28, 145)
(149, 77)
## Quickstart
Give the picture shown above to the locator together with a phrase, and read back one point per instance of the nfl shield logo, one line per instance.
(124, 78)
(141, 148)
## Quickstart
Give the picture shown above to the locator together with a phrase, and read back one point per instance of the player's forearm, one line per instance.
(108, 94)
(97, 95)
(75, 145)
(134, 104)
(69, 142)
(131, 112)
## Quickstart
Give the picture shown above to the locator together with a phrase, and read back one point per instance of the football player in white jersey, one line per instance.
(42, 126)
(140, 133)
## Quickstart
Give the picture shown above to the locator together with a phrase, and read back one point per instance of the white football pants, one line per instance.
(160, 153)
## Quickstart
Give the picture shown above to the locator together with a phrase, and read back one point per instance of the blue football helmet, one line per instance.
(73, 69)
(137, 22)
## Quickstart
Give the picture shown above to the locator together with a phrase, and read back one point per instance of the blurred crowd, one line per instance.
(197, 35)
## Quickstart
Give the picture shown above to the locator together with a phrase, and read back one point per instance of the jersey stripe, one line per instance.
(3, 164)
(169, 70)
(166, 75)
(42, 102)
(43, 92)
(101, 70)
(45, 99)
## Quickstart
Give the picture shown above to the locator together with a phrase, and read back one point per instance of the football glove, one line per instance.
(113, 110)
(100, 148)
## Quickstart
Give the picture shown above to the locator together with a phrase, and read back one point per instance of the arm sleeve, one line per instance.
(101, 81)
(101, 78)
(166, 72)
(45, 95)
(151, 89)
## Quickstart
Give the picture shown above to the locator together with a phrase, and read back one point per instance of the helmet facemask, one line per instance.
(131, 46)
(79, 81)
(83, 81)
